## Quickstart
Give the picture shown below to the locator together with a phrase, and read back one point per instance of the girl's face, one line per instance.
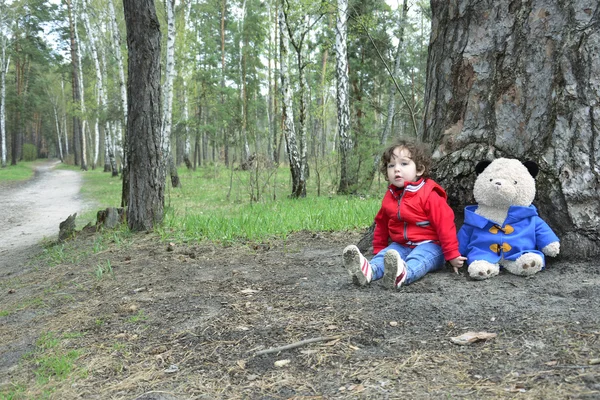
(401, 168)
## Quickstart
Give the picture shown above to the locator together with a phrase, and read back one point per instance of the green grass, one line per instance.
(103, 270)
(220, 204)
(20, 172)
(205, 208)
(139, 317)
(50, 362)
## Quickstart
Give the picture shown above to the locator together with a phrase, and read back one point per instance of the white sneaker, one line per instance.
(357, 265)
(395, 270)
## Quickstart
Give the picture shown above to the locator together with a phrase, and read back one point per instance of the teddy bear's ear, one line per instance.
(532, 167)
(481, 166)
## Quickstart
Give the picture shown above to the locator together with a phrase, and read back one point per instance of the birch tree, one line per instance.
(100, 95)
(185, 76)
(64, 116)
(287, 114)
(79, 124)
(520, 80)
(294, 30)
(116, 43)
(342, 95)
(4, 64)
(167, 117)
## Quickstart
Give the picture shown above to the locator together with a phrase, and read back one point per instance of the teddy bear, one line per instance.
(504, 228)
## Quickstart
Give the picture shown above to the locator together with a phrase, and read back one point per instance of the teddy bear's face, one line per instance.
(504, 183)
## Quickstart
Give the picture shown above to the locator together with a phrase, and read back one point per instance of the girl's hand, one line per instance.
(457, 263)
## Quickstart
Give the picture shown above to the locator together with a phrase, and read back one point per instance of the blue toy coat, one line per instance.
(523, 231)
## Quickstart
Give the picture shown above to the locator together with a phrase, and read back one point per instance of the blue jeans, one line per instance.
(424, 258)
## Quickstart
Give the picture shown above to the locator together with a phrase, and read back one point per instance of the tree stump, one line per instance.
(67, 228)
(110, 217)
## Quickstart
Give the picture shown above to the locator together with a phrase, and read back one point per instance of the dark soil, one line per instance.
(189, 321)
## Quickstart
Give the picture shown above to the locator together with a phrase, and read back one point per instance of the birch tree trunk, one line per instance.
(81, 98)
(54, 102)
(116, 35)
(187, 147)
(168, 95)
(5, 62)
(224, 127)
(64, 117)
(145, 205)
(520, 80)
(74, 81)
(100, 99)
(243, 94)
(287, 115)
(342, 95)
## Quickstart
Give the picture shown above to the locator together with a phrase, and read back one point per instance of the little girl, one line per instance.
(414, 229)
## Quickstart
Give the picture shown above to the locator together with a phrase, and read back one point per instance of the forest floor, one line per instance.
(138, 318)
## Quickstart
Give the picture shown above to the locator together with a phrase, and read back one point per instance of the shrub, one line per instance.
(29, 152)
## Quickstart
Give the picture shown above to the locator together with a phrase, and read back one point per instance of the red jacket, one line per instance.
(415, 214)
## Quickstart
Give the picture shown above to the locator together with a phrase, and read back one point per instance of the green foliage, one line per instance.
(29, 152)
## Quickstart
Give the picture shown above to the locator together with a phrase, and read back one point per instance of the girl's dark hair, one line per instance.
(419, 153)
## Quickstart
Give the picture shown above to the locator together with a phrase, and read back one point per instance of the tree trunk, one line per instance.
(287, 115)
(342, 99)
(3, 71)
(83, 123)
(74, 81)
(101, 102)
(114, 27)
(145, 158)
(187, 147)
(520, 80)
(64, 116)
(223, 128)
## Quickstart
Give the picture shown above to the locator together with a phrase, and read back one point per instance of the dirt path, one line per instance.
(189, 321)
(33, 210)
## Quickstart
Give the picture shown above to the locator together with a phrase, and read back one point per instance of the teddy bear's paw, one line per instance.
(526, 265)
(552, 249)
(480, 270)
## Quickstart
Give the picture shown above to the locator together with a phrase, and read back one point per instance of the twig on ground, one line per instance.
(297, 344)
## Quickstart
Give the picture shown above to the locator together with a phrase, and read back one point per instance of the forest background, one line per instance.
(64, 66)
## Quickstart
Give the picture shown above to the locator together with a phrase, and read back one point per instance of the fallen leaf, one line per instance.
(472, 337)
(552, 363)
(248, 291)
(594, 361)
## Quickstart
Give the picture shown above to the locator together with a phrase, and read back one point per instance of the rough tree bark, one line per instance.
(521, 80)
(145, 159)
